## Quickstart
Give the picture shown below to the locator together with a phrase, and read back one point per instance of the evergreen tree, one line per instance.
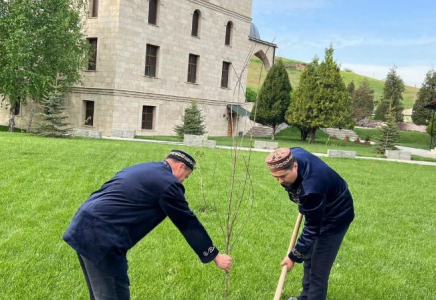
(274, 98)
(426, 94)
(389, 136)
(323, 100)
(302, 109)
(53, 120)
(193, 121)
(363, 101)
(351, 87)
(392, 97)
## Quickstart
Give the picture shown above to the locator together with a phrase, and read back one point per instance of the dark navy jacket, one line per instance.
(322, 197)
(128, 207)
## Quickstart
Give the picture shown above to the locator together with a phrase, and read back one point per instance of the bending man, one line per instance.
(127, 208)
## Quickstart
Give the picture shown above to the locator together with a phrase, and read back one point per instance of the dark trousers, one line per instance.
(317, 267)
(101, 285)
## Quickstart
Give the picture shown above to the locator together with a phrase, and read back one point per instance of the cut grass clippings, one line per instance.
(388, 252)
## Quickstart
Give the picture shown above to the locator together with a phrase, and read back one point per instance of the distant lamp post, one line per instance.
(432, 106)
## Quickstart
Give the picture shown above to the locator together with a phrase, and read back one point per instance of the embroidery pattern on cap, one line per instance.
(183, 156)
(283, 163)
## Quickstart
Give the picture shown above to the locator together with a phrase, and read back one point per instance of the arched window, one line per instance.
(152, 12)
(229, 28)
(195, 23)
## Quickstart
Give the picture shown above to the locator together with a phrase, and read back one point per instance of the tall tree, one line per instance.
(362, 101)
(40, 42)
(274, 98)
(392, 97)
(193, 121)
(322, 99)
(302, 109)
(53, 119)
(426, 94)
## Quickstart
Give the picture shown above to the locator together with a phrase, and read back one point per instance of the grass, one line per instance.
(412, 139)
(290, 137)
(6, 128)
(387, 254)
(255, 68)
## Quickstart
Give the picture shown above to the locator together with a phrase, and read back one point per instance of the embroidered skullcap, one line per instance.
(279, 159)
(183, 157)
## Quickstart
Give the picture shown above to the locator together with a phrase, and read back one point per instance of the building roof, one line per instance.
(254, 32)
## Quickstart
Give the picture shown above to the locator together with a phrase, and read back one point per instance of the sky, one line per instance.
(368, 36)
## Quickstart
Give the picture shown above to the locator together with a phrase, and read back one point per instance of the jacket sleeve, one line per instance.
(174, 204)
(313, 210)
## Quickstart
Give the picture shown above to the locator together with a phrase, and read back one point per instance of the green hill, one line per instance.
(292, 66)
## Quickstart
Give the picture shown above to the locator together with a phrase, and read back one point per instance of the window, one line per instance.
(89, 113)
(229, 28)
(225, 74)
(151, 60)
(147, 117)
(93, 8)
(192, 68)
(152, 12)
(17, 109)
(92, 62)
(195, 23)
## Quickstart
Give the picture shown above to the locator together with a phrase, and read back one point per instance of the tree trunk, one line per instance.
(32, 113)
(11, 124)
(312, 135)
(273, 133)
(303, 133)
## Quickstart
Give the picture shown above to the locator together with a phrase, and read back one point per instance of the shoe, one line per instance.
(294, 298)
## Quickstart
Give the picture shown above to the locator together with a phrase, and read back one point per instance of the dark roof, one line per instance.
(254, 32)
(239, 110)
(431, 105)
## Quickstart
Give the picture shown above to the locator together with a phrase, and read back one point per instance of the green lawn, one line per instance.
(412, 139)
(387, 254)
(290, 137)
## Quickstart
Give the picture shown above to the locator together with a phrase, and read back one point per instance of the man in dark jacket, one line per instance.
(326, 203)
(127, 208)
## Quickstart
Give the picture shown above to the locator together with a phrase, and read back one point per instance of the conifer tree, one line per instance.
(389, 136)
(193, 121)
(363, 101)
(392, 97)
(426, 94)
(53, 120)
(302, 109)
(274, 98)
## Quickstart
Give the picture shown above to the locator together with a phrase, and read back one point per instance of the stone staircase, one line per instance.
(341, 133)
(259, 131)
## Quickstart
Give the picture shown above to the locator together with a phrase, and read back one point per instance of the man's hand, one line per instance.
(224, 262)
(287, 262)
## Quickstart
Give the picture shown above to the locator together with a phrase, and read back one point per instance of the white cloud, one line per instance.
(411, 75)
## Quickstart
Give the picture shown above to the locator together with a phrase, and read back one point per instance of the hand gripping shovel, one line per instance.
(285, 268)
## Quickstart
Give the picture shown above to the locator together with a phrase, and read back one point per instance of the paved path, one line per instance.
(414, 151)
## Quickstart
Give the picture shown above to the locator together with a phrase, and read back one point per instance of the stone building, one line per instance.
(153, 57)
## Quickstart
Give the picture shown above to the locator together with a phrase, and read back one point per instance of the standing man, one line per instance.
(326, 203)
(127, 208)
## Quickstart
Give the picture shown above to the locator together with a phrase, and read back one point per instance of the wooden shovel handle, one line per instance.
(285, 268)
